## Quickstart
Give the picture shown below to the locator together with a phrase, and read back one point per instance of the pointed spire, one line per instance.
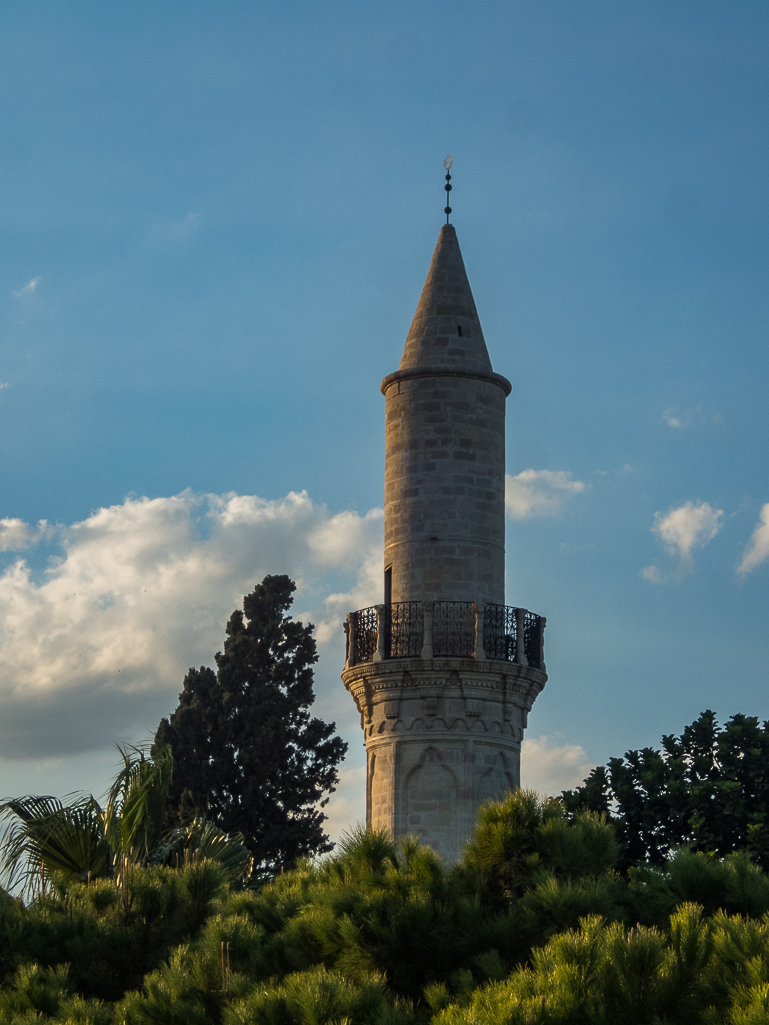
(446, 332)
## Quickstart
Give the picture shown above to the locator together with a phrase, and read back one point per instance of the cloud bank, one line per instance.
(539, 492)
(95, 646)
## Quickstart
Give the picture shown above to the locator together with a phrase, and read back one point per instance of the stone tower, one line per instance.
(443, 672)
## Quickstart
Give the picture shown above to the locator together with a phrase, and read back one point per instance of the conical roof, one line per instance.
(446, 332)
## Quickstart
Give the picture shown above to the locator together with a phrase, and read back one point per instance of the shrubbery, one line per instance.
(534, 925)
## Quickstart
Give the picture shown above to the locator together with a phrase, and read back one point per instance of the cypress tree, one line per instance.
(247, 753)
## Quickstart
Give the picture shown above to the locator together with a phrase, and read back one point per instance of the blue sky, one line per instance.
(217, 219)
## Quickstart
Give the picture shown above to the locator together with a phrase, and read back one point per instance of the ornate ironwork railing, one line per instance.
(459, 629)
(500, 632)
(532, 638)
(404, 626)
(454, 628)
(362, 642)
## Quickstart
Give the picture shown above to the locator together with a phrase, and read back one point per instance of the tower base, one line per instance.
(442, 736)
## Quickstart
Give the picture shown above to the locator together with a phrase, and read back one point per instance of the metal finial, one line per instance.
(448, 163)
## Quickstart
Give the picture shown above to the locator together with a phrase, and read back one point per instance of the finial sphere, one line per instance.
(448, 162)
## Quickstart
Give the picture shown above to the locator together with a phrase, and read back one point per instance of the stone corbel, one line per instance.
(473, 709)
(391, 708)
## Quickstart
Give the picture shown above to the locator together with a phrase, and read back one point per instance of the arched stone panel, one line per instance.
(431, 793)
(380, 791)
(496, 780)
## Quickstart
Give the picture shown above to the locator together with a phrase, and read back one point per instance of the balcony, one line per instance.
(444, 629)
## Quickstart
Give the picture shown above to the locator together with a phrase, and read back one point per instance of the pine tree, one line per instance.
(247, 753)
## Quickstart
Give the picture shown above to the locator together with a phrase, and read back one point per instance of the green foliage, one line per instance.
(697, 970)
(534, 925)
(70, 955)
(248, 754)
(521, 839)
(707, 789)
(48, 841)
(46, 994)
(734, 885)
(318, 997)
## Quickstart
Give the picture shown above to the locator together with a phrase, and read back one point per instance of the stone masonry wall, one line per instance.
(445, 488)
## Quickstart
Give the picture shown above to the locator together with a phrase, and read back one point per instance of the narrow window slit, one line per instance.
(459, 330)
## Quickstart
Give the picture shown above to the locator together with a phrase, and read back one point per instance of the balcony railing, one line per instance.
(440, 629)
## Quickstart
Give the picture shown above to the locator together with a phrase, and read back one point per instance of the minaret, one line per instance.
(443, 672)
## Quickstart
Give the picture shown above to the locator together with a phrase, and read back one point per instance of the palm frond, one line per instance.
(202, 839)
(136, 803)
(44, 835)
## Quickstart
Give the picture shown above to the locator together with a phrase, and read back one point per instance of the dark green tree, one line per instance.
(707, 789)
(246, 750)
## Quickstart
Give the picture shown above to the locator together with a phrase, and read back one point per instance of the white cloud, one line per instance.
(95, 648)
(539, 492)
(16, 534)
(4, 384)
(550, 767)
(27, 290)
(687, 527)
(678, 419)
(757, 550)
(652, 574)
